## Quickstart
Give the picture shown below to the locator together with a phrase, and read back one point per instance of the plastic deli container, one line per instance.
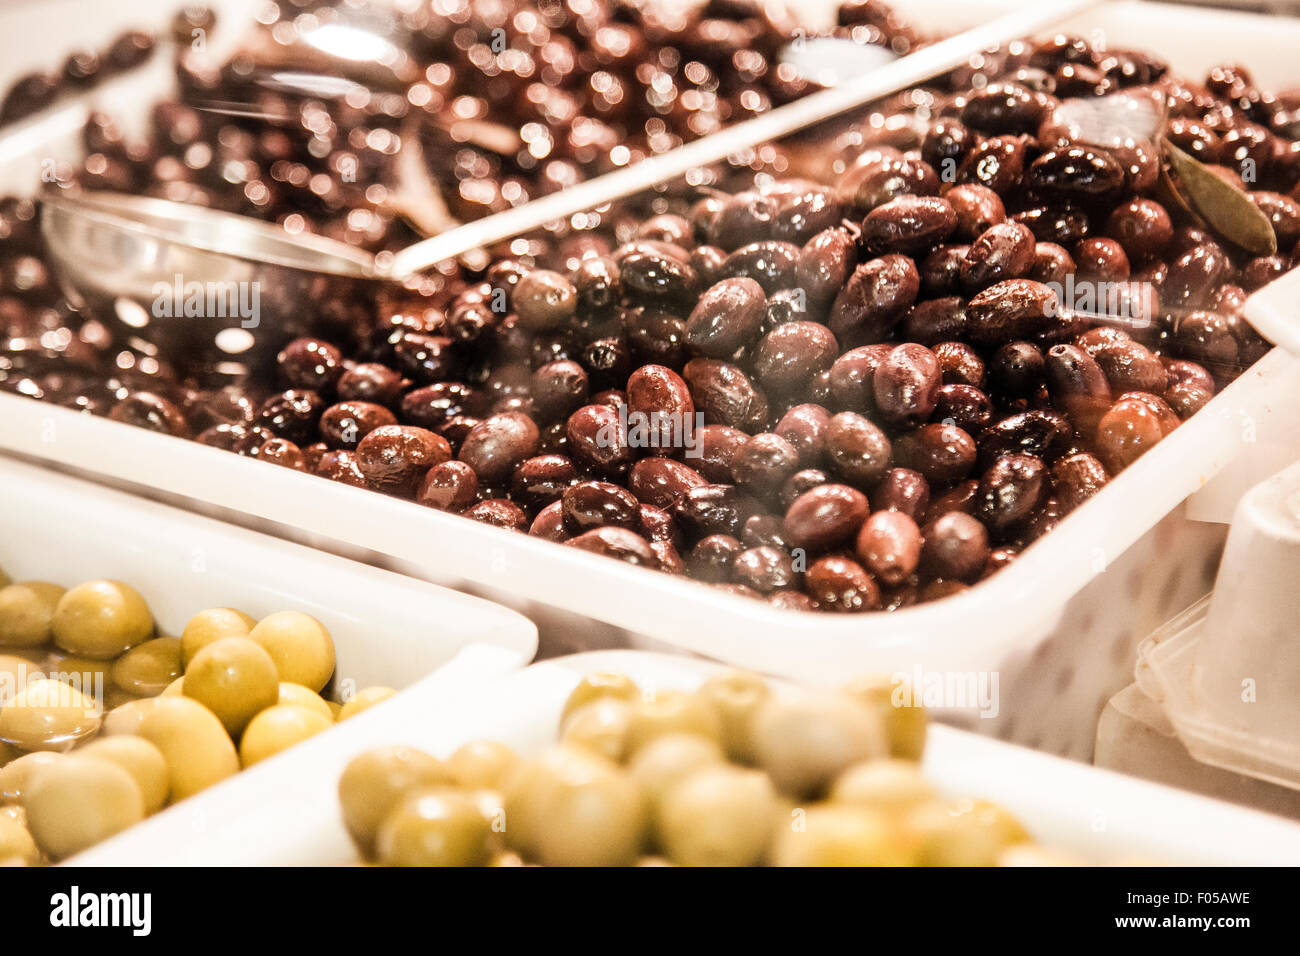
(288, 814)
(388, 630)
(1048, 639)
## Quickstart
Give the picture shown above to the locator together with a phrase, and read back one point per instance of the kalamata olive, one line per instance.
(943, 454)
(1043, 433)
(656, 337)
(1078, 385)
(1187, 398)
(1010, 491)
(1052, 263)
(1006, 108)
(791, 354)
(940, 270)
(806, 212)
(658, 525)
(596, 283)
(448, 486)
(889, 546)
(962, 497)
(594, 504)
(1076, 171)
(425, 358)
(902, 489)
(661, 481)
(956, 547)
(856, 449)
(1283, 214)
(804, 427)
(712, 557)
(1076, 478)
(293, 414)
(151, 411)
(867, 186)
(1003, 251)
(394, 458)
(762, 465)
(877, 295)
(311, 364)
(935, 320)
(544, 300)
(597, 437)
(498, 512)
(1141, 226)
(661, 396)
(906, 385)
(654, 270)
(978, 208)
(725, 394)
(618, 543)
(1194, 275)
(1018, 369)
(433, 405)
(946, 141)
(1129, 429)
(496, 446)
(608, 362)
(825, 517)
(1262, 270)
(345, 424)
(559, 389)
(715, 446)
(852, 377)
(549, 523)
(743, 217)
(341, 466)
(370, 382)
(542, 479)
(763, 568)
(281, 451)
(1130, 366)
(727, 318)
(838, 583)
(965, 406)
(1013, 309)
(713, 509)
(998, 163)
(1059, 222)
(1101, 260)
(824, 265)
(770, 263)
(908, 224)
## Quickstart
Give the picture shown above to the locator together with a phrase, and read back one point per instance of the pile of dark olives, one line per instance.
(104, 721)
(735, 773)
(867, 386)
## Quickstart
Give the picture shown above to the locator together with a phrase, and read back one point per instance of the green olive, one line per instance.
(569, 807)
(15, 775)
(806, 741)
(90, 675)
(146, 669)
(840, 835)
(16, 841)
(79, 801)
(966, 833)
(195, 745)
(904, 718)
(597, 685)
(482, 765)
(235, 679)
(141, 759)
(660, 764)
(364, 700)
(300, 645)
(736, 697)
(892, 786)
(126, 718)
(48, 715)
(101, 619)
(373, 782)
(295, 695)
(668, 712)
(26, 610)
(718, 816)
(277, 729)
(601, 727)
(434, 827)
(212, 625)
(15, 672)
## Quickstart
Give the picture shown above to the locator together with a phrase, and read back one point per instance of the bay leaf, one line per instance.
(1226, 209)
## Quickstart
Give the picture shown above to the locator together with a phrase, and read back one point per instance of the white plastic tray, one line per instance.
(288, 814)
(388, 630)
(1058, 628)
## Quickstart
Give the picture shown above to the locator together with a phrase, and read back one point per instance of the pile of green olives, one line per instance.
(735, 773)
(105, 720)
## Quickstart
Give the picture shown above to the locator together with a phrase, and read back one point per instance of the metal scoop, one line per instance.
(126, 258)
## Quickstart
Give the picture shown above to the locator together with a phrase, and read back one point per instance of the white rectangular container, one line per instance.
(287, 813)
(1058, 627)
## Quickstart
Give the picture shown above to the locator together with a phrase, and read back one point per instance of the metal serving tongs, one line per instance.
(121, 256)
